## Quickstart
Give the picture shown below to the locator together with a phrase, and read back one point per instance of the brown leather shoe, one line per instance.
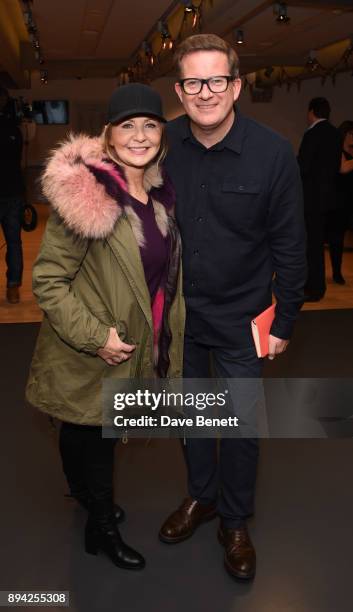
(239, 556)
(12, 295)
(182, 523)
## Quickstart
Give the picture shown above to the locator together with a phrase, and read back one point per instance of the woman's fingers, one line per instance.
(127, 348)
(116, 359)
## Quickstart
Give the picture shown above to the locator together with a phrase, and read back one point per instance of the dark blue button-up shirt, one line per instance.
(240, 213)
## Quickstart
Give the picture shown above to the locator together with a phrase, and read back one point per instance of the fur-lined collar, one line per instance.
(89, 192)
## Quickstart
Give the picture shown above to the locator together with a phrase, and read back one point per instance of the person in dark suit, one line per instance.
(12, 189)
(338, 219)
(240, 214)
(319, 161)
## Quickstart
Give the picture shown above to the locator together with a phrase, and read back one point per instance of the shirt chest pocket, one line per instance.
(241, 202)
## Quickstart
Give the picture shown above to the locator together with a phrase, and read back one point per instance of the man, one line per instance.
(11, 196)
(319, 161)
(239, 208)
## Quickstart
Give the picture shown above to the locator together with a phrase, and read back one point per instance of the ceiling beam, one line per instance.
(322, 4)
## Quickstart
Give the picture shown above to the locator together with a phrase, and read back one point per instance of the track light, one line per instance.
(163, 29)
(44, 77)
(312, 63)
(188, 6)
(280, 9)
(239, 37)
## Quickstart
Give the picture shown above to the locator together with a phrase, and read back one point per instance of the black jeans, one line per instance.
(315, 228)
(88, 461)
(11, 210)
(230, 478)
(336, 225)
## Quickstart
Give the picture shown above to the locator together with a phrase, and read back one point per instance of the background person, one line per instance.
(107, 278)
(319, 161)
(338, 220)
(12, 191)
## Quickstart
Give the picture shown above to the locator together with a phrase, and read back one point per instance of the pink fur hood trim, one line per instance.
(75, 193)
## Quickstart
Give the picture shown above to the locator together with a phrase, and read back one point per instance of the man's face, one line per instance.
(207, 109)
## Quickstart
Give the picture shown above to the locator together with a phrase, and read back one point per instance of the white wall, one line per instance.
(88, 100)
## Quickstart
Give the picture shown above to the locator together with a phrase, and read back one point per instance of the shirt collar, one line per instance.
(315, 123)
(233, 140)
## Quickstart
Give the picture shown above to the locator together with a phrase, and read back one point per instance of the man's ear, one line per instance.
(179, 91)
(236, 88)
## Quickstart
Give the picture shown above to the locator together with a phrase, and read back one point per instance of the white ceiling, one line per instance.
(101, 29)
(99, 36)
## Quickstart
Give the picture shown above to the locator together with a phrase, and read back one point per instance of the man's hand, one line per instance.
(115, 351)
(276, 346)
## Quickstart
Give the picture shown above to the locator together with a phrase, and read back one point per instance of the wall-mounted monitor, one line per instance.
(50, 112)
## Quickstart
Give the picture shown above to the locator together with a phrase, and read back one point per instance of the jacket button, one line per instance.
(203, 186)
(196, 252)
(200, 219)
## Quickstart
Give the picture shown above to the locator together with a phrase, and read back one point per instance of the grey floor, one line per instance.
(302, 528)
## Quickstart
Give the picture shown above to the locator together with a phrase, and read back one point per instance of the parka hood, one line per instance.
(89, 192)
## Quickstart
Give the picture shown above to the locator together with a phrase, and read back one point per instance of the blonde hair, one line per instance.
(207, 42)
(111, 153)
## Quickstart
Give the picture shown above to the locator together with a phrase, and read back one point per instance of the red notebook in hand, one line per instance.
(260, 327)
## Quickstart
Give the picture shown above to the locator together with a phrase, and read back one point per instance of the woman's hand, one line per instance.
(115, 351)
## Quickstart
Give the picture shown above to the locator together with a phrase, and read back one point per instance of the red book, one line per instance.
(260, 327)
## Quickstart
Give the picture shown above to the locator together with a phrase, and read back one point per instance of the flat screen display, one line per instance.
(50, 112)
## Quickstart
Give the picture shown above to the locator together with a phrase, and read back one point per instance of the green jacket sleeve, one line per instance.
(59, 260)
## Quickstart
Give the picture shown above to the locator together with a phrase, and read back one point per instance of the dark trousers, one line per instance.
(88, 461)
(315, 229)
(228, 479)
(336, 225)
(11, 210)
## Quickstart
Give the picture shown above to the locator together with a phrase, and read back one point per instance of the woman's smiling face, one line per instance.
(136, 141)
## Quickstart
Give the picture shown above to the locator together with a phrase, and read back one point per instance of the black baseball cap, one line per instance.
(133, 100)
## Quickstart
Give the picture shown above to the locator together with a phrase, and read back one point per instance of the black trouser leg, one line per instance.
(72, 451)
(239, 456)
(99, 464)
(235, 473)
(88, 460)
(200, 453)
(335, 230)
(315, 228)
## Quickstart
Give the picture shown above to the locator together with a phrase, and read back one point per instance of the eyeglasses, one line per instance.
(216, 84)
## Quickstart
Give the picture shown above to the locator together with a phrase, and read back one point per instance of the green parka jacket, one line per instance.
(89, 277)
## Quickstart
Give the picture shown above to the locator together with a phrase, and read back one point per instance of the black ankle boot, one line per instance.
(102, 533)
(85, 500)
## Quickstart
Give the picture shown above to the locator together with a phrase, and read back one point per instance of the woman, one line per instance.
(108, 280)
(338, 219)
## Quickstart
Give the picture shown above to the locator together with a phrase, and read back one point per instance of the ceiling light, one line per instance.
(163, 29)
(312, 62)
(239, 37)
(44, 77)
(188, 6)
(280, 9)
